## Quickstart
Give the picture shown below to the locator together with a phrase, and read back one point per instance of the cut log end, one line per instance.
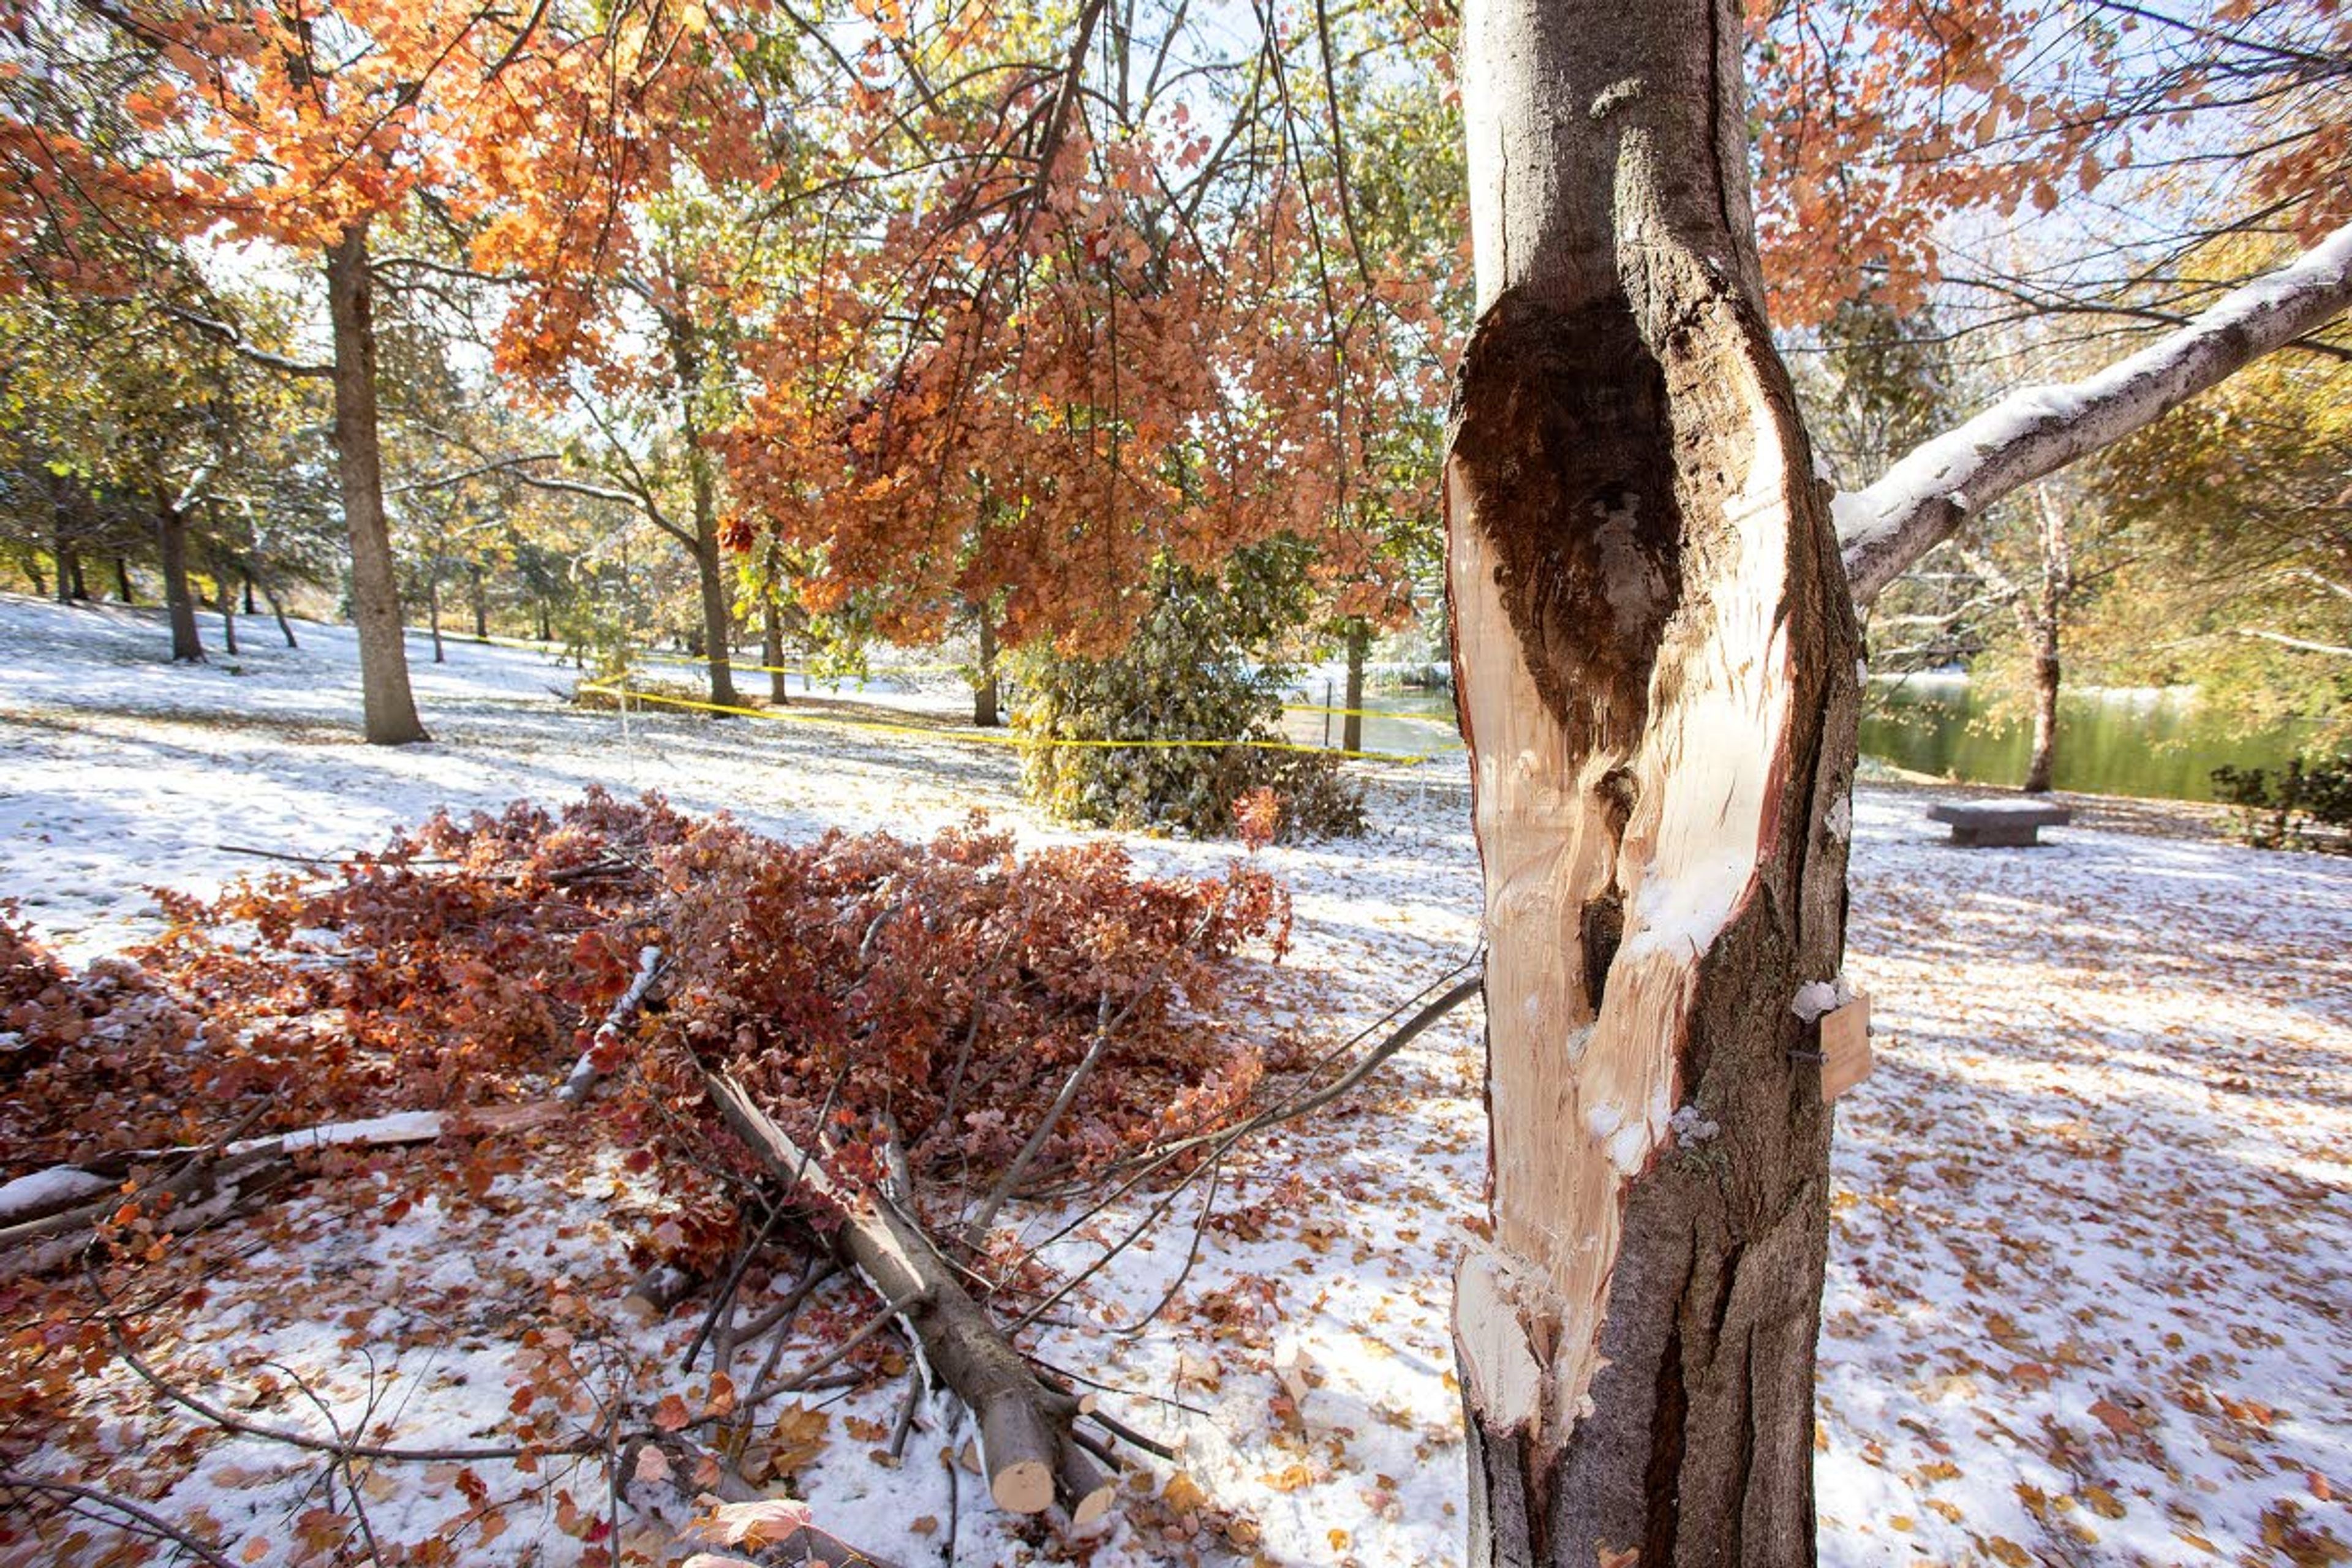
(1087, 1509)
(1085, 1492)
(1025, 1485)
(1018, 1447)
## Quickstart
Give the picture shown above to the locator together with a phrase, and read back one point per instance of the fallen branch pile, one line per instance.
(859, 1045)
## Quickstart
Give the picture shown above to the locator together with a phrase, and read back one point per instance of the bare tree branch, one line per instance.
(2302, 643)
(1927, 496)
(228, 334)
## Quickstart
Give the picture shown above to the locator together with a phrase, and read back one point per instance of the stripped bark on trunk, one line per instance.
(1657, 666)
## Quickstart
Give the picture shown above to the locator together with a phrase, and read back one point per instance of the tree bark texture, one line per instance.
(389, 708)
(710, 561)
(179, 601)
(987, 694)
(1351, 732)
(2043, 766)
(122, 581)
(1657, 666)
(772, 647)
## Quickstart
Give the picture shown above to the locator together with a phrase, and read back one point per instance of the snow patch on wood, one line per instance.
(1927, 496)
(54, 1188)
(1816, 997)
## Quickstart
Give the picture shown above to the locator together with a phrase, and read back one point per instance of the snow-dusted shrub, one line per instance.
(2277, 812)
(1186, 681)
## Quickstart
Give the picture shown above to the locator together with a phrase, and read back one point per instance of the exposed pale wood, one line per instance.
(1016, 1448)
(1085, 1493)
(1656, 667)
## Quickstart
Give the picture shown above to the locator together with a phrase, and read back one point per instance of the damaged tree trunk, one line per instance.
(1656, 659)
(1026, 1444)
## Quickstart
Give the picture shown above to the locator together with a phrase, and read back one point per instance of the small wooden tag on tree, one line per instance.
(1845, 1048)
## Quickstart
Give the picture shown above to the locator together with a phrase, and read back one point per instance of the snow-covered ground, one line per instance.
(2090, 1296)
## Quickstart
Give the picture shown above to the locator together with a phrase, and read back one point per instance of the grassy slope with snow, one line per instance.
(2088, 1291)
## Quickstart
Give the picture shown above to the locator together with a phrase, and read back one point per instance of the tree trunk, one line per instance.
(479, 592)
(433, 616)
(2040, 769)
(987, 693)
(1657, 660)
(122, 581)
(69, 566)
(772, 645)
(391, 709)
(62, 548)
(717, 613)
(227, 597)
(171, 544)
(546, 624)
(1352, 730)
(285, 626)
(248, 579)
(2043, 626)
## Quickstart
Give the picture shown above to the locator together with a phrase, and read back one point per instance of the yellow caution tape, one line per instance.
(619, 691)
(650, 657)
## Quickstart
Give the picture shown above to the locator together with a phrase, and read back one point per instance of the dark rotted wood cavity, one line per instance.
(1561, 433)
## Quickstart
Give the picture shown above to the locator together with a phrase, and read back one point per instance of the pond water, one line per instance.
(1398, 723)
(2160, 745)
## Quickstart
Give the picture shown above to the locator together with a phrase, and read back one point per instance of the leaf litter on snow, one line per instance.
(2092, 1217)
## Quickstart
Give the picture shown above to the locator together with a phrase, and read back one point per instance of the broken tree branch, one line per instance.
(55, 1213)
(1927, 496)
(584, 1072)
(1023, 1425)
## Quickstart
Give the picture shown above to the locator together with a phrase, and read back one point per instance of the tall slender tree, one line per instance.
(310, 128)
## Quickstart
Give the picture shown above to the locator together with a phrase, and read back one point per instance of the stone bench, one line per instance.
(2000, 824)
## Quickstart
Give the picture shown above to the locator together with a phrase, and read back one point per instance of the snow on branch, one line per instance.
(1924, 498)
